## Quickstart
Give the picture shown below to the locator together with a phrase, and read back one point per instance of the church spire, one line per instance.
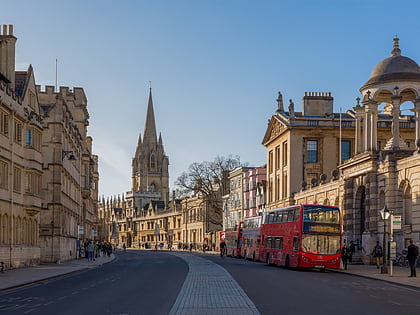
(150, 127)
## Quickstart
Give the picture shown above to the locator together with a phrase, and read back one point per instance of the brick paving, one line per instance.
(210, 289)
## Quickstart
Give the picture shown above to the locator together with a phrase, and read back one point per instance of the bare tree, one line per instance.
(209, 180)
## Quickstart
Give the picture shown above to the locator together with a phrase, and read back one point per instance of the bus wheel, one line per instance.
(287, 263)
(267, 260)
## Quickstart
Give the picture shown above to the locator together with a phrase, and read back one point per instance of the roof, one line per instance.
(394, 68)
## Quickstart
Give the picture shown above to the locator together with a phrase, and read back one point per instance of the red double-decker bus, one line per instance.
(251, 238)
(302, 236)
(233, 240)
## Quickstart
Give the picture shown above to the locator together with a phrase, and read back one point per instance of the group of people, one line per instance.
(92, 250)
(412, 254)
(347, 253)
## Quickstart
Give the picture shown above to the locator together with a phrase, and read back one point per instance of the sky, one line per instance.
(215, 66)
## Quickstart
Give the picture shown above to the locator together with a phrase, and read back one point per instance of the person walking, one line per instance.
(345, 255)
(412, 253)
(378, 253)
(352, 249)
(90, 251)
(222, 248)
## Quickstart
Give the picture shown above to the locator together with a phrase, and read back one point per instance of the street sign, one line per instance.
(81, 229)
(396, 222)
(393, 250)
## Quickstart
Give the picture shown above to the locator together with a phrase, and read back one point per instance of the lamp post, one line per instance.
(385, 214)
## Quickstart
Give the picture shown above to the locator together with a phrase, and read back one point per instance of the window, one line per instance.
(4, 123)
(152, 162)
(18, 132)
(33, 183)
(284, 159)
(295, 243)
(3, 174)
(277, 157)
(17, 179)
(278, 243)
(270, 162)
(345, 150)
(33, 138)
(28, 137)
(312, 151)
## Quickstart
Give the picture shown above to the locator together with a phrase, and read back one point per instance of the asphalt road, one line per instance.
(276, 290)
(137, 282)
(147, 282)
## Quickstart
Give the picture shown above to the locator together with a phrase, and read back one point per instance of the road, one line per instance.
(147, 282)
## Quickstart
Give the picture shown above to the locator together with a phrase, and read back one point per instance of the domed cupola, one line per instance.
(392, 70)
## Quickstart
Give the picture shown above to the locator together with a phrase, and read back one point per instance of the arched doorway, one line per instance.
(359, 219)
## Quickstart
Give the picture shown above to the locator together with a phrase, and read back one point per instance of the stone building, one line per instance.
(383, 168)
(254, 181)
(21, 159)
(70, 182)
(201, 221)
(48, 174)
(145, 216)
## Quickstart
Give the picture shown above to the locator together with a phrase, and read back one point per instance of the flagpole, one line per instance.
(340, 158)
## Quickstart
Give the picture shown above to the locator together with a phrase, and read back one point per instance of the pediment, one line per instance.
(274, 129)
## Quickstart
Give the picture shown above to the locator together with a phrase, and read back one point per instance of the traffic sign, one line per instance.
(396, 222)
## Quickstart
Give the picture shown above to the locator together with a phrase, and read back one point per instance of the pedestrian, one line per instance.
(345, 255)
(378, 253)
(191, 247)
(222, 248)
(90, 250)
(124, 247)
(352, 249)
(412, 253)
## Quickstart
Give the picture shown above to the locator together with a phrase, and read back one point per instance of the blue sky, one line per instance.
(215, 66)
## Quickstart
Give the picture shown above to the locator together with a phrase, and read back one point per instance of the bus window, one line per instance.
(284, 216)
(295, 243)
(297, 214)
(278, 243)
(268, 242)
(279, 216)
(290, 215)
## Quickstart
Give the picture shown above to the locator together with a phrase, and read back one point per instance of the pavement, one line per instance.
(19, 277)
(400, 275)
(16, 278)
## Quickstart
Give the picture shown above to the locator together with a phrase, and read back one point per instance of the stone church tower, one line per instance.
(150, 175)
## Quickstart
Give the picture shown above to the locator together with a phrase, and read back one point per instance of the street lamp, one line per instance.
(385, 214)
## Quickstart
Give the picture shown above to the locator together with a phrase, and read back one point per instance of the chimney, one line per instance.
(317, 104)
(7, 54)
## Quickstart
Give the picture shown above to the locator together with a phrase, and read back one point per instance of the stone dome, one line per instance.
(394, 68)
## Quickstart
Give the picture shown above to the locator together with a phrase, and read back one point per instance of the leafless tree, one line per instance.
(209, 180)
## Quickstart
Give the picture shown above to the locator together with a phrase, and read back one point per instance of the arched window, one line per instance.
(407, 205)
(152, 161)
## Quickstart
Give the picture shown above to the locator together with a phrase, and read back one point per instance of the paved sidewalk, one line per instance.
(400, 275)
(15, 278)
(210, 289)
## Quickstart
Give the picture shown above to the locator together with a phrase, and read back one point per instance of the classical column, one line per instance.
(370, 125)
(358, 134)
(396, 102)
(416, 111)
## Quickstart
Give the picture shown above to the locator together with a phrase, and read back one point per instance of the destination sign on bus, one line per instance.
(321, 228)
